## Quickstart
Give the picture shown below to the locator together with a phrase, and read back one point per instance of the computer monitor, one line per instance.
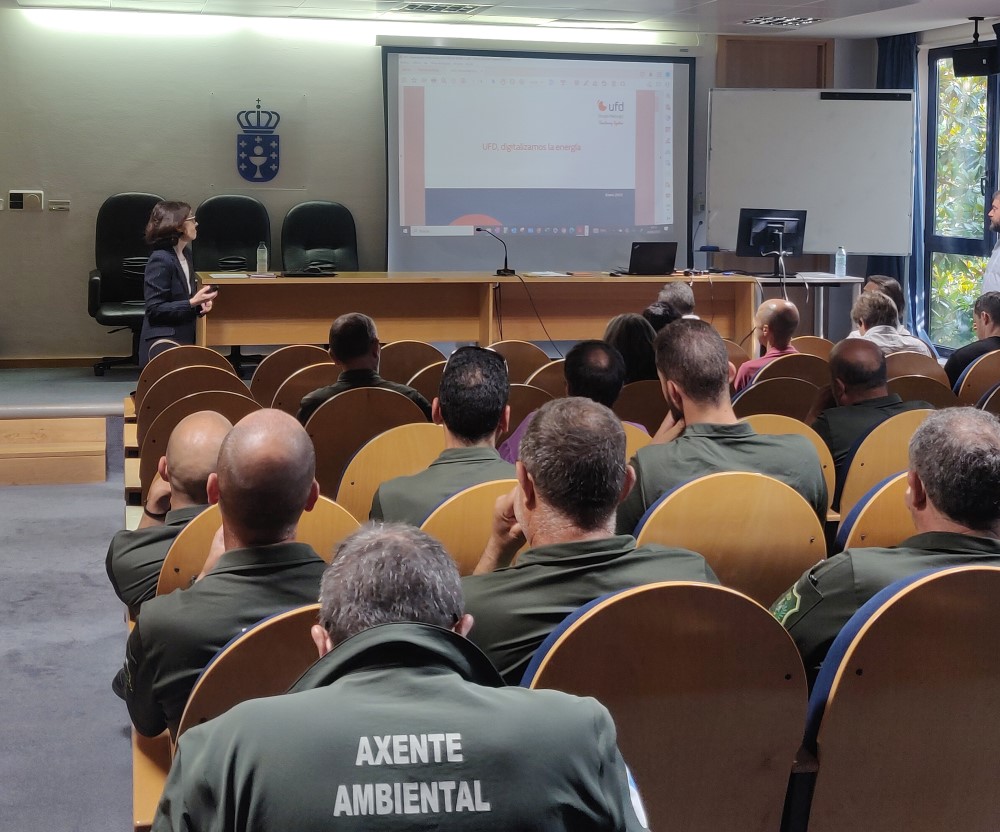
(771, 232)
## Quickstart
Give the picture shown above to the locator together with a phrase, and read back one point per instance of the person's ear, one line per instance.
(732, 373)
(163, 470)
(464, 625)
(321, 638)
(839, 390)
(436, 417)
(987, 320)
(629, 483)
(504, 424)
(672, 393)
(212, 489)
(313, 496)
(526, 484)
(916, 495)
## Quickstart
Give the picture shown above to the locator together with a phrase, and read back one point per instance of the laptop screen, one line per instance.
(652, 258)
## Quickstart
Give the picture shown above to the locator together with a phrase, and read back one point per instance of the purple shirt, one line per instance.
(748, 369)
(509, 448)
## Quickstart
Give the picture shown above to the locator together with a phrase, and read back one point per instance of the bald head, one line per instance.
(266, 473)
(857, 371)
(192, 454)
(777, 321)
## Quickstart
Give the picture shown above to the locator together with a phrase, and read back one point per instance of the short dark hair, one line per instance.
(859, 364)
(594, 370)
(574, 450)
(351, 336)
(632, 335)
(388, 574)
(988, 302)
(473, 393)
(956, 454)
(693, 355)
(891, 288)
(166, 221)
(875, 309)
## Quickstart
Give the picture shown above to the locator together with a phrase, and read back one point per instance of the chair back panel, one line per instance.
(980, 377)
(427, 381)
(266, 660)
(880, 518)
(399, 452)
(233, 406)
(523, 399)
(791, 397)
(319, 231)
(187, 355)
(813, 345)
(708, 696)
(180, 383)
(463, 522)
(923, 389)
(642, 402)
(634, 439)
(401, 360)
(990, 401)
(522, 357)
(771, 423)
(230, 227)
(737, 355)
(914, 364)
(279, 365)
(910, 726)
(779, 537)
(341, 425)
(322, 528)
(882, 452)
(807, 367)
(119, 245)
(551, 378)
(303, 382)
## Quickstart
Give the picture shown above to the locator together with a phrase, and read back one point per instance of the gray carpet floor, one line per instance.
(65, 759)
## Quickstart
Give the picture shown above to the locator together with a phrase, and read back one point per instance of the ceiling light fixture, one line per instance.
(780, 20)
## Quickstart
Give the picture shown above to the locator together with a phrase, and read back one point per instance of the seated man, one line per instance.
(986, 323)
(701, 434)
(954, 480)
(571, 475)
(675, 301)
(135, 557)
(472, 406)
(265, 480)
(593, 370)
(857, 399)
(891, 288)
(354, 345)
(775, 324)
(402, 718)
(876, 318)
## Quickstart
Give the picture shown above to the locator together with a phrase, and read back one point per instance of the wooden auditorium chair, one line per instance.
(978, 378)
(634, 439)
(914, 364)
(522, 357)
(903, 720)
(990, 402)
(301, 383)
(179, 383)
(399, 452)
(807, 367)
(707, 692)
(341, 425)
(400, 360)
(427, 381)
(642, 402)
(186, 355)
(879, 518)
(923, 389)
(463, 523)
(813, 345)
(551, 378)
(279, 365)
(791, 397)
(758, 534)
(737, 355)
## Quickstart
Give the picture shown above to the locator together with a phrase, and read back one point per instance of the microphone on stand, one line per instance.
(504, 271)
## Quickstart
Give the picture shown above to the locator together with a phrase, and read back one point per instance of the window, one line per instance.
(961, 179)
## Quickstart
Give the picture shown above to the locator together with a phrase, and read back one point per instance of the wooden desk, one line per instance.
(452, 306)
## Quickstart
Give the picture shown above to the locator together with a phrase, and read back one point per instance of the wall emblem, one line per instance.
(257, 145)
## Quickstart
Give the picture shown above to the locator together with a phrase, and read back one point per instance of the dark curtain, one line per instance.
(897, 69)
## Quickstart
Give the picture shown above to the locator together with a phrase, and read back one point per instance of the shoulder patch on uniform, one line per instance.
(787, 605)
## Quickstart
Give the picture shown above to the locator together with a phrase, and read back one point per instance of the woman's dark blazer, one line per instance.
(169, 313)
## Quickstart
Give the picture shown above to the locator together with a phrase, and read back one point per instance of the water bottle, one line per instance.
(262, 257)
(840, 267)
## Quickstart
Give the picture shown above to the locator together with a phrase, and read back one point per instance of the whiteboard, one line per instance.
(844, 156)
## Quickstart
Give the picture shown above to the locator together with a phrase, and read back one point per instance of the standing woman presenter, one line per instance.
(173, 302)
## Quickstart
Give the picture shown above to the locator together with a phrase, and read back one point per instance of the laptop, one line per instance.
(652, 258)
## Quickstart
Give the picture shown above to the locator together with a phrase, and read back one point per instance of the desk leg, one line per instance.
(819, 311)
(488, 332)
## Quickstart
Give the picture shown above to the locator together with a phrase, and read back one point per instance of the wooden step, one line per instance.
(52, 451)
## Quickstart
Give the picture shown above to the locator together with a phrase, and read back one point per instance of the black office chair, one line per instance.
(114, 290)
(230, 227)
(319, 237)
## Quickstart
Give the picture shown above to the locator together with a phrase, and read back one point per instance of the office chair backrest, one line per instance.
(120, 252)
(230, 227)
(319, 232)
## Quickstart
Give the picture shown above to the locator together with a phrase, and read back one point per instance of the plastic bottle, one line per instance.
(262, 257)
(840, 267)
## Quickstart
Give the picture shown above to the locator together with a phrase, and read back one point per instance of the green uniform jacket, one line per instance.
(176, 635)
(348, 380)
(711, 449)
(824, 598)
(135, 557)
(403, 726)
(412, 499)
(515, 608)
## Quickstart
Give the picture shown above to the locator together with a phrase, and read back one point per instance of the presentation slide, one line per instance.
(568, 159)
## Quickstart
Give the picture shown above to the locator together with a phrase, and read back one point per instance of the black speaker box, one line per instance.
(976, 60)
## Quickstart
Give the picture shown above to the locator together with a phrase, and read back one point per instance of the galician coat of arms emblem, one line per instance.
(257, 145)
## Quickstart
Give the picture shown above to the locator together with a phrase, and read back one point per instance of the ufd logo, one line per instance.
(257, 146)
(611, 107)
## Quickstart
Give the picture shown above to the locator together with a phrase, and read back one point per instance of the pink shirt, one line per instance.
(750, 368)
